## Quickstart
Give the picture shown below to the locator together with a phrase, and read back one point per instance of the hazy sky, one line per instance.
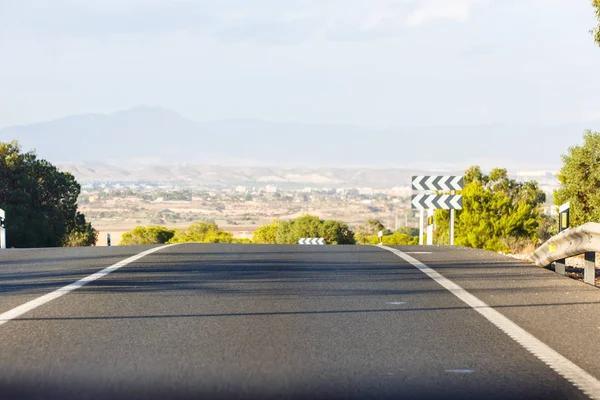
(367, 62)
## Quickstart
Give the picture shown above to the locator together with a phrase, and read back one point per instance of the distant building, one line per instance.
(271, 189)
(366, 191)
(241, 189)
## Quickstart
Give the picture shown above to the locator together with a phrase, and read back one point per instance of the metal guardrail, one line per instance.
(584, 239)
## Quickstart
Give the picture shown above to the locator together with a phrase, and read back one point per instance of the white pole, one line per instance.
(452, 218)
(421, 222)
(429, 228)
(2, 230)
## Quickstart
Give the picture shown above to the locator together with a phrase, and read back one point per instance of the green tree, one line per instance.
(579, 180)
(498, 213)
(596, 30)
(40, 202)
(82, 234)
(370, 229)
(336, 232)
(306, 226)
(147, 235)
(202, 232)
(408, 231)
(266, 234)
(284, 234)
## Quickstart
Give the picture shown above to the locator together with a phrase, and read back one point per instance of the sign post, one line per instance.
(108, 239)
(429, 227)
(564, 220)
(452, 218)
(421, 222)
(427, 201)
(2, 229)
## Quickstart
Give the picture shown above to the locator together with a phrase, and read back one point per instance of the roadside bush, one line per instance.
(266, 234)
(395, 239)
(366, 240)
(202, 232)
(400, 239)
(84, 236)
(147, 235)
(336, 232)
(306, 226)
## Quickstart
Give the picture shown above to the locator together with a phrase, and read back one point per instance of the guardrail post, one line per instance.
(589, 271)
(2, 230)
(560, 267)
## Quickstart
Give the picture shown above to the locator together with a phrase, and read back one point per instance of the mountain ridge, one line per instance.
(157, 135)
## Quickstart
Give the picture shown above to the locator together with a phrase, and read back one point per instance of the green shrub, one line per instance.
(202, 232)
(147, 235)
(306, 226)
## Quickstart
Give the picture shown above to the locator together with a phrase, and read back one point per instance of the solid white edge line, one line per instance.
(35, 303)
(567, 369)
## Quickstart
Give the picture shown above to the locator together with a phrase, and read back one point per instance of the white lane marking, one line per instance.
(418, 252)
(570, 371)
(35, 303)
(459, 371)
(396, 303)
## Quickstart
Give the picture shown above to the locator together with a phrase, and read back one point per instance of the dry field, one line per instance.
(117, 216)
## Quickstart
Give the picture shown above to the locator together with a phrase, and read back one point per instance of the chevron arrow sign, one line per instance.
(432, 202)
(312, 241)
(437, 182)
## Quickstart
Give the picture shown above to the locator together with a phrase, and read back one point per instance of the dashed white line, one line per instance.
(33, 304)
(564, 367)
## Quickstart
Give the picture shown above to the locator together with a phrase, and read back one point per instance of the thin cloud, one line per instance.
(430, 11)
(263, 21)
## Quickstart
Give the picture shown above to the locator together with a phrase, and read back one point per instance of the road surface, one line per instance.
(288, 322)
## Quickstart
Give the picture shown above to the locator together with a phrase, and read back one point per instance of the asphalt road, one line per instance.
(290, 322)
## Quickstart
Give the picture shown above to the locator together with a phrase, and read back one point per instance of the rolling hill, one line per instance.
(158, 136)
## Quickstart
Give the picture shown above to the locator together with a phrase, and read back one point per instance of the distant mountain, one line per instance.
(139, 133)
(157, 136)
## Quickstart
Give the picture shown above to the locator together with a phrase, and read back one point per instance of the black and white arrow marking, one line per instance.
(433, 202)
(437, 183)
(312, 241)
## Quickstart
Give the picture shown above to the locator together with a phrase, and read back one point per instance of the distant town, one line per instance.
(117, 207)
